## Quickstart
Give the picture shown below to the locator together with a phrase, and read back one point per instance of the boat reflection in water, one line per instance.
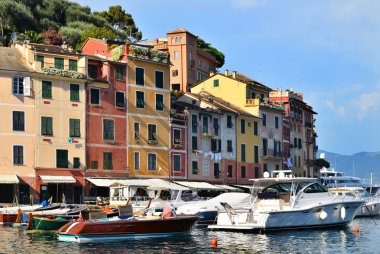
(288, 203)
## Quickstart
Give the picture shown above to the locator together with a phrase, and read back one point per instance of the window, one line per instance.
(215, 145)
(265, 147)
(46, 90)
(140, 102)
(264, 119)
(194, 142)
(120, 102)
(176, 39)
(92, 71)
(137, 131)
(194, 123)
(73, 65)
(95, 96)
(159, 79)
(152, 132)
(108, 129)
(216, 126)
(295, 143)
(216, 170)
(18, 120)
(229, 146)
(256, 154)
(299, 143)
(265, 167)
(58, 63)
(176, 87)
(276, 122)
(177, 136)
(205, 124)
(243, 172)
(159, 102)
(229, 121)
(62, 158)
(47, 126)
(176, 55)
(119, 72)
(18, 86)
(75, 128)
(41, 60)
(216, 82)
(229, 171)
(140, 79)
(255, 129)
(18, 155)
(257, 173)
(243, 152)
(107, 160)
(177, 162)
(174, 73)
(194, 167)
(152, 161)
(74, 92)
(94, 164)
(242, 126)
(76, 162)
(136, 156)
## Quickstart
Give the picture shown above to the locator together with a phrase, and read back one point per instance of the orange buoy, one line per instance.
(214, 242)
(356, 229)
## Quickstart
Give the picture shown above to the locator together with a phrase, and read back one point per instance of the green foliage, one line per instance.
(117, 52)
(213, 51)
(98, 33)
(32, 36)
(63, 73)
(72, 33)
(321, 163)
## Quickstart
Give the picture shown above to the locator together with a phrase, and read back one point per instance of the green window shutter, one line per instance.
(119, 72)
(46, 90)
(73, 65)
(18, 155)
(108, 129)
(159, 102)
(216, 82)
(243, 152)
(107, 160)
(46, 126)
(76, 163)
(159, 78)
(75, 128)
(74, 92)
(255, 129)
(120, 101)
(194, 142)
(140, 103)
(58, 63)
(95, 94)
(94, 164)
(140, 79)
(41, 60)
(62, 159)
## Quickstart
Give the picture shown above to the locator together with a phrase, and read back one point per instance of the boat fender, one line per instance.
(343, 213)
(323, 215)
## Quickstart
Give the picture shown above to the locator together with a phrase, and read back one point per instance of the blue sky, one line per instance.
(326, 49)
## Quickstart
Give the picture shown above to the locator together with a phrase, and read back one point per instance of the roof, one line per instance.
(57, 179)
(8, 179)
(245, 79)
(10, 60)
(179, 30)
(53, 49)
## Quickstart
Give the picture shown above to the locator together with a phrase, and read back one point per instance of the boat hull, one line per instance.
(47, 224)
(369, 210)
(110, 230)
(7, 219)
(321, 216)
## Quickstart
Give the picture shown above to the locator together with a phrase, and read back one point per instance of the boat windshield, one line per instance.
(278, 187)
(315, 188)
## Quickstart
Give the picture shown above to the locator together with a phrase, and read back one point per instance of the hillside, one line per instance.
(359, 164)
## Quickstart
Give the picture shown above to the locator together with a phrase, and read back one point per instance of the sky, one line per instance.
(326, 49)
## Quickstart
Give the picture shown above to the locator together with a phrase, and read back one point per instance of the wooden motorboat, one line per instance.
(44, 223)
(115, 228)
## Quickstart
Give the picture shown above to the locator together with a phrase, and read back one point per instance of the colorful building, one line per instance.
(189, 64)
(17, 128)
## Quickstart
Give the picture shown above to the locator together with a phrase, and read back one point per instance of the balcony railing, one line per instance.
(272, 155)
(147, 53)
(64, 73)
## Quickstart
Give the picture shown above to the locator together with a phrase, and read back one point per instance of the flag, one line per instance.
(289, 162)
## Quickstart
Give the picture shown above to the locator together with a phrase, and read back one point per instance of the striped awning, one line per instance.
(57, 179)
(8, 179)
(199, 185)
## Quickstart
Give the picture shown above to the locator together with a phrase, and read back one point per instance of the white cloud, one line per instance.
(367, 103)
(330, 104)
(339, 110)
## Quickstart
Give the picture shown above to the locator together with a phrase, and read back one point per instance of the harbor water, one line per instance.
(343, 240)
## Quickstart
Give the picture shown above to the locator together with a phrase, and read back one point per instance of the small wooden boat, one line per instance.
(7, 218)
(44, 223)
(107, 229)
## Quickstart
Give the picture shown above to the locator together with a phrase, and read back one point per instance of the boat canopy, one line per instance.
(8, 179)
(57, 179)
(227, 187)
(199, 185)
(152, 184)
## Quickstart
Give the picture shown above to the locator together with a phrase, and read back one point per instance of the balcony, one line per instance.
(147, 53)
(64, 73)
(252, 102)
(272, 155)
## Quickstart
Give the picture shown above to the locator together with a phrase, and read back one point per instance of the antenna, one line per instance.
(353, 164)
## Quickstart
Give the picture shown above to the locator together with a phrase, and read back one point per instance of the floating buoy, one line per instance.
(356, 229)
(214, 242)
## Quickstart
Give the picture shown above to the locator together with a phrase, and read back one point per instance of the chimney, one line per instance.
(212, 73)
(226, 72)
(234, 74)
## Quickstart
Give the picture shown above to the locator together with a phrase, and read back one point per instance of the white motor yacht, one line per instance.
(288, 203)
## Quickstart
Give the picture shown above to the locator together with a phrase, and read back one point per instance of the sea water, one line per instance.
(342, 240)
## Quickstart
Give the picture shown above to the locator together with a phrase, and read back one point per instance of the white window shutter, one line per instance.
(27, 86)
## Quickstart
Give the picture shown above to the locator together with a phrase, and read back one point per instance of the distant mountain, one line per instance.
(359, 164)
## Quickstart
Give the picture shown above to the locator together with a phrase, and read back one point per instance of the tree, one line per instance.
(72, 33)
(321, 163)
(98, 33)
(32, 36)
(121, 21)
(53, 37)
(213, 51)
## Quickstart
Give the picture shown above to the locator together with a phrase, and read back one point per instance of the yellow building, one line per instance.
(148, 112)
(59, 92)
(17, 128)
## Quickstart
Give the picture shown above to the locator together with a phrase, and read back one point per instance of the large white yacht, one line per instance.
(288, 203)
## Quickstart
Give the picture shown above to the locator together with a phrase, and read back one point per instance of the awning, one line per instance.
(227, 187)
(199, 185)
(57, 179)
(8, 179)
(102, 182)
